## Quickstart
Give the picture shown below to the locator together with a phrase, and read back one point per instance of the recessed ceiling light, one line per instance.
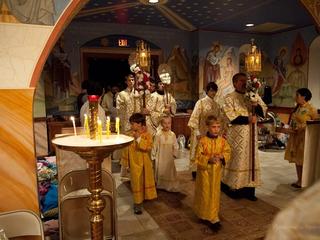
(249, 25)
(152, 2)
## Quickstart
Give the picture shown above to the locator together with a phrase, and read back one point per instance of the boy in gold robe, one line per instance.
(139, 161)
(212, 151)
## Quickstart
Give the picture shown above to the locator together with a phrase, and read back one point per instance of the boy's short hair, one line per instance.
(165, 117)
(212, 119)
(212, 86)
(138, 118)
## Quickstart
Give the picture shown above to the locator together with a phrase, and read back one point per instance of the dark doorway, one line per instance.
(108, 71)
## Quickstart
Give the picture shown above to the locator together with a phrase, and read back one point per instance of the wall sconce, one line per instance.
(143, 55)
(253, 59)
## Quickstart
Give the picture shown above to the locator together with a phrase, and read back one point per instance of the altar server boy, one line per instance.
(212, 152)
(138, 160)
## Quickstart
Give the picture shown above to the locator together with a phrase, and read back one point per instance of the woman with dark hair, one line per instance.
(303, 112)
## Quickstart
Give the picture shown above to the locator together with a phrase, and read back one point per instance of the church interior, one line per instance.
(48, 49)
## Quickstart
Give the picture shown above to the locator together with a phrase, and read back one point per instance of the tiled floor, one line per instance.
(277, 175)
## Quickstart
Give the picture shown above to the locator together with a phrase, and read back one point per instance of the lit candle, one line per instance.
(118, 125)
(74, 125)
(99, 130)
(86, 125)
(108, 126)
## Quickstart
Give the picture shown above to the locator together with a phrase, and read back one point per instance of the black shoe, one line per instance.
(137, 210)
(249, 193)
(224, 187)
(194, 175)
(205, 222)
(295, 185)
(252, 198)
(215, 226)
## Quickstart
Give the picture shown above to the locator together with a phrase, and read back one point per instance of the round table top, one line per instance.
(82, 141)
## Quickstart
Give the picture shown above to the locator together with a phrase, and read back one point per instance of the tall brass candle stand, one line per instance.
(94, 151)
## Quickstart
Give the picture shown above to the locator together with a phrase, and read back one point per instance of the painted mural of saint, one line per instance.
(298, 58)
(212, 64)
(228, 69)
(299, 52)
(280, 71)
(178, 61)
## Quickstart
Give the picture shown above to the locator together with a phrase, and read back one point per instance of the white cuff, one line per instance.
(197, 132)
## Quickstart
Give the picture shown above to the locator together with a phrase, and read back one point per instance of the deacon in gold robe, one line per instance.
(237, 174)
(159, 104)
(212, 152)
(139, 161)
(197, 122)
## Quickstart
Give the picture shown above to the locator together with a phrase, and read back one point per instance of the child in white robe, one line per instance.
(164, 151)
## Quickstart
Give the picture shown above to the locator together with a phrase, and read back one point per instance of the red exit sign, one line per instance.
(123, 42)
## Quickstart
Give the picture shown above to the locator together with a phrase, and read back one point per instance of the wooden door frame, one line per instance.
(110, 51)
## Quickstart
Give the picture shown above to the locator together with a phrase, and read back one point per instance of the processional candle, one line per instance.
(118, 125)
(93, 111)
(108, 126)
(74, 125)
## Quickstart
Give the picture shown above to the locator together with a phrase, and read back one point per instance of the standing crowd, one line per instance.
(223, 152)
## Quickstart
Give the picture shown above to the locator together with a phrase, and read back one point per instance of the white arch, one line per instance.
(314, 71)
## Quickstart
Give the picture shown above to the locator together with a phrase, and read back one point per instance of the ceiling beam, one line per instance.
(313, 7)
(99, 10)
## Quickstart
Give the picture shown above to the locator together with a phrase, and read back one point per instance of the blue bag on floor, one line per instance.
(51, 199)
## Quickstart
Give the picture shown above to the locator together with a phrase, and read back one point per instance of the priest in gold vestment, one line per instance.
(237, 174)
(197, 122)
(138, 160)
(212, 152)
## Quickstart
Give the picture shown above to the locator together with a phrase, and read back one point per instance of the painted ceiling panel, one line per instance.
(215, 15)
